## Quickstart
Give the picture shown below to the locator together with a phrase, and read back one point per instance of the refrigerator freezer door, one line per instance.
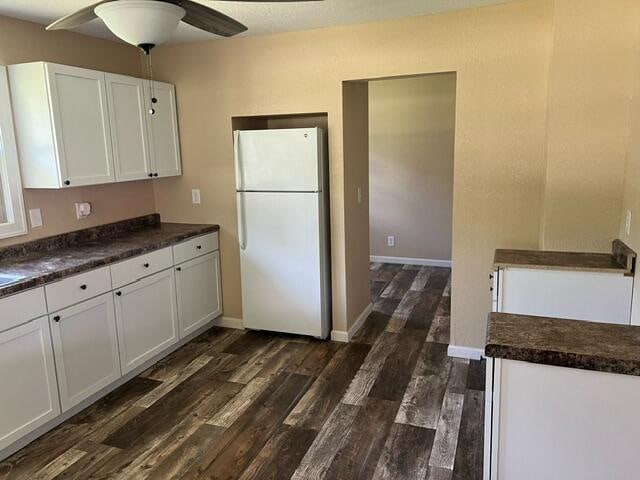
(281, 263)
(279, 160)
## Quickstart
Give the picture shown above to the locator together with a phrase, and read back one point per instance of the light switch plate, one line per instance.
(195, 196)
(391, 241)
(35, 215)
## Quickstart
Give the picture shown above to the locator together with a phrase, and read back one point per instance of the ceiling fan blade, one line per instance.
(208, 19)
(76, 19)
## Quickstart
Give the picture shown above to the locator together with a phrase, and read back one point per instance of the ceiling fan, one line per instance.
(147, 23)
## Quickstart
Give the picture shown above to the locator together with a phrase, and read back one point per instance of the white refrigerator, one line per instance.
(282, 195)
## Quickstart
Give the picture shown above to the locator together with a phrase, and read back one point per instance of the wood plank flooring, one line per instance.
(255, 405)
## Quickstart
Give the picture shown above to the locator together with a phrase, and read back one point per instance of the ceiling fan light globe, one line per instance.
(141, 22)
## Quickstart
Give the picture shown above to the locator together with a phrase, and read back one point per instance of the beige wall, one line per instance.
(26, 42)
(355, 119)
(590, 84)
(501, 57)
(411, 142)
(631, 198)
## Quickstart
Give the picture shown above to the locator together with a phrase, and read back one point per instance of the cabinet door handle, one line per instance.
(56, 318)
(491, 276)
(146, 265)
(83, 287)
(119, 294)
(491, 289)
(155, 174)
(178, 269)
(67, 182)
(151, 175)
(199, 247)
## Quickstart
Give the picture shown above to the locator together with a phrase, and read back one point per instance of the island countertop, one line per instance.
(53, 258)
(559, 342)
(620, 260)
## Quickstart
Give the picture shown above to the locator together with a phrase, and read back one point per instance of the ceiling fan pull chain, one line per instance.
(152, 109)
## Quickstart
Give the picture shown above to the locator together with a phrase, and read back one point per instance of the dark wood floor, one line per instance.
(250, 405)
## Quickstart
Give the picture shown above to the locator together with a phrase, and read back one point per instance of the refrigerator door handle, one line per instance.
(242, 233)
(236, 158)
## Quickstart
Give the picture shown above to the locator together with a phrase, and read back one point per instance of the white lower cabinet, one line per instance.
(28, 393)
(589, 296)
(198, 288)
(147, 318)
(85, 344)
(62, 344)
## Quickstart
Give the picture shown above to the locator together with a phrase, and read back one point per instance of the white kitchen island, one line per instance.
(575, 285)
(562, 399)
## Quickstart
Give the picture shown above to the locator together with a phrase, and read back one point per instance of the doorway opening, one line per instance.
(401, 198)
(411, 156)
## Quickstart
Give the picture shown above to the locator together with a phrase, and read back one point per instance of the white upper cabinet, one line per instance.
(62, 125)
(163, 129)
(128, 120)
(83, 127)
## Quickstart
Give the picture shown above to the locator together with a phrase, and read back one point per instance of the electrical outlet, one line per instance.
(36, 217)
(627, 223)
(83, 210)
(391, 241)
(195, 196)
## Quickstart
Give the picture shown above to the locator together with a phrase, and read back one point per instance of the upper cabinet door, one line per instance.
(163, 129)
(81, 124)
(127, 115)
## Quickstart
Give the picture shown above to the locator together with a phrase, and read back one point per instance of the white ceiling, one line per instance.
(261, 18)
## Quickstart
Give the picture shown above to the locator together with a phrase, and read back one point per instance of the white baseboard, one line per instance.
(465, 352)
(229, 322)
(343, 336)
(411, 261)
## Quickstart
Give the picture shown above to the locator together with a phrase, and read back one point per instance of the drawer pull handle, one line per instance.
(179, 269)
(146, 265)
(56, 318)
(199, 247)
(119, 294)
(83, 287)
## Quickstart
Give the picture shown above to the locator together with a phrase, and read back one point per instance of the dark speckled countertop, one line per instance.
(53, 258)
(620, 260)
(559, 342)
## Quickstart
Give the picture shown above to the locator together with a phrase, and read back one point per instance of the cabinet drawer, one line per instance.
(139, 267)
(78, 288)
(22, 307)
(195, 247)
